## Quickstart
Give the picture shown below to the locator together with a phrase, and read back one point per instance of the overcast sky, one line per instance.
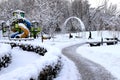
(95, 3)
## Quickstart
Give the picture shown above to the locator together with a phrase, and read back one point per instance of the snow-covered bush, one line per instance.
(49, 72)
(45, 68)
(40, 70)
(28, 47)
(5, 56)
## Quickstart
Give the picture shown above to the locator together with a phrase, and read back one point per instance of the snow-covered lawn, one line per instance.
(4, 49)
(20, 58)
(107, 56)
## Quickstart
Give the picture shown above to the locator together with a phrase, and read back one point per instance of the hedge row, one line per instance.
(28, 47)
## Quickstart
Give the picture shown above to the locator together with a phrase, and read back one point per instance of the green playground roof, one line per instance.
(16, 11)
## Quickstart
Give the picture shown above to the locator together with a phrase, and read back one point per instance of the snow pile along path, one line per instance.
(107, 56)
(69, 71)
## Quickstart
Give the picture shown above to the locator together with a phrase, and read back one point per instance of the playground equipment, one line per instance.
(35, 29)
(20, 27)
(4, 29)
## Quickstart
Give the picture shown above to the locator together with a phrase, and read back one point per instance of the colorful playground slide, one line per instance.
(20, 26)
(23, 33)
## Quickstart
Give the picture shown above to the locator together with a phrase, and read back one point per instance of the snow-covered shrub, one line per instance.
(28, 47)
(50, 72)
(46, 68)
(5, 55)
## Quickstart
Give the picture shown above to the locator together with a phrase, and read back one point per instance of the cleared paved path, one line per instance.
(88, 69)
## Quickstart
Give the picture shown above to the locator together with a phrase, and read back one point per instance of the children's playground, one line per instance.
(19, 27)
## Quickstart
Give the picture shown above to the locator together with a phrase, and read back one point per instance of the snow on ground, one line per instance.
(24, 64)
(32, 63)
(62, 40)
(4, 49)
(24, 61)
(27, 64)
(20, 58)
(69, 71)
(107, 56)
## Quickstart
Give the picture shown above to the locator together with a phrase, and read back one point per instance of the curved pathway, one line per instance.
(88, 69)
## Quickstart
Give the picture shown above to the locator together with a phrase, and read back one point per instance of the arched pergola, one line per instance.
(82, 26)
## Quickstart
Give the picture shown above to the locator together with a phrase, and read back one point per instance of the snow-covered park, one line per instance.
(59, 40)
(26, 64)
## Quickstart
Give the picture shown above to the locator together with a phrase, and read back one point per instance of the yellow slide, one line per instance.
(25, 33)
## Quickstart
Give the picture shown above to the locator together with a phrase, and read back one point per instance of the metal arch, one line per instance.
(79, 20)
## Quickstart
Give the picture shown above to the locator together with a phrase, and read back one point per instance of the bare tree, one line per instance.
(100, 18)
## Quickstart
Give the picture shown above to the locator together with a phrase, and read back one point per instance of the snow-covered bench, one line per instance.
(98, 42)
